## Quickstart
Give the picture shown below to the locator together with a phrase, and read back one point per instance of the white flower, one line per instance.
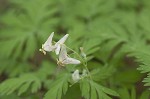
(59, 43)
(64, 59)
(76, 76)
(47, 46)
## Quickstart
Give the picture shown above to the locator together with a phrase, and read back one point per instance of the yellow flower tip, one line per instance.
(44, 52)
(41, 50)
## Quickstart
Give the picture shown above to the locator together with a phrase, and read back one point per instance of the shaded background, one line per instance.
(102, 27)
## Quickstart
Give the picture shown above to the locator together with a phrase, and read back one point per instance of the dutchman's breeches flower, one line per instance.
(64, 59)
(59, 49)
(59, 43)
(48, 46)
(76, 76)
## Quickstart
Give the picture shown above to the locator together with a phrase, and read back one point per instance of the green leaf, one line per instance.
(124, 94)
(91, 45)
(96, 90)
(20, 84)
(58, 87)
(102, 73)
(108, 91)
(93, 93)
(20, 36)
(127, 93)
(85, 88)
(145, 95)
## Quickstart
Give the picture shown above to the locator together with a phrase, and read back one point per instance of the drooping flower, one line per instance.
(65, 59)
(48, 46)
(59, 43)
(76, 76)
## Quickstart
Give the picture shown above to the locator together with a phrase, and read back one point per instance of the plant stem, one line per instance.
(83, 61)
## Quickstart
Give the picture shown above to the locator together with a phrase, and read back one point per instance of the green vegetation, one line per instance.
(114, 34)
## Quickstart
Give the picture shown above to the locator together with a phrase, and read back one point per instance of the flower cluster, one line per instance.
(63, 58)
(60, 49)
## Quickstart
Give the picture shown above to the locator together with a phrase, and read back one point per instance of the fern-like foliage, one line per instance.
(92, 90)
(140, 50)
(27, 82)
(102, 73)
(143, 58)
(23, 29)
(21, 84)
(59, 87)
(8, 67)
(114, 34)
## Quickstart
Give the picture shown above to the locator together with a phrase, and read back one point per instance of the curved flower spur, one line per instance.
(65, 59)
(48, 46)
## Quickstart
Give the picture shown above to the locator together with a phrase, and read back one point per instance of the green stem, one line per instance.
(88, 71)
(83, 61)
